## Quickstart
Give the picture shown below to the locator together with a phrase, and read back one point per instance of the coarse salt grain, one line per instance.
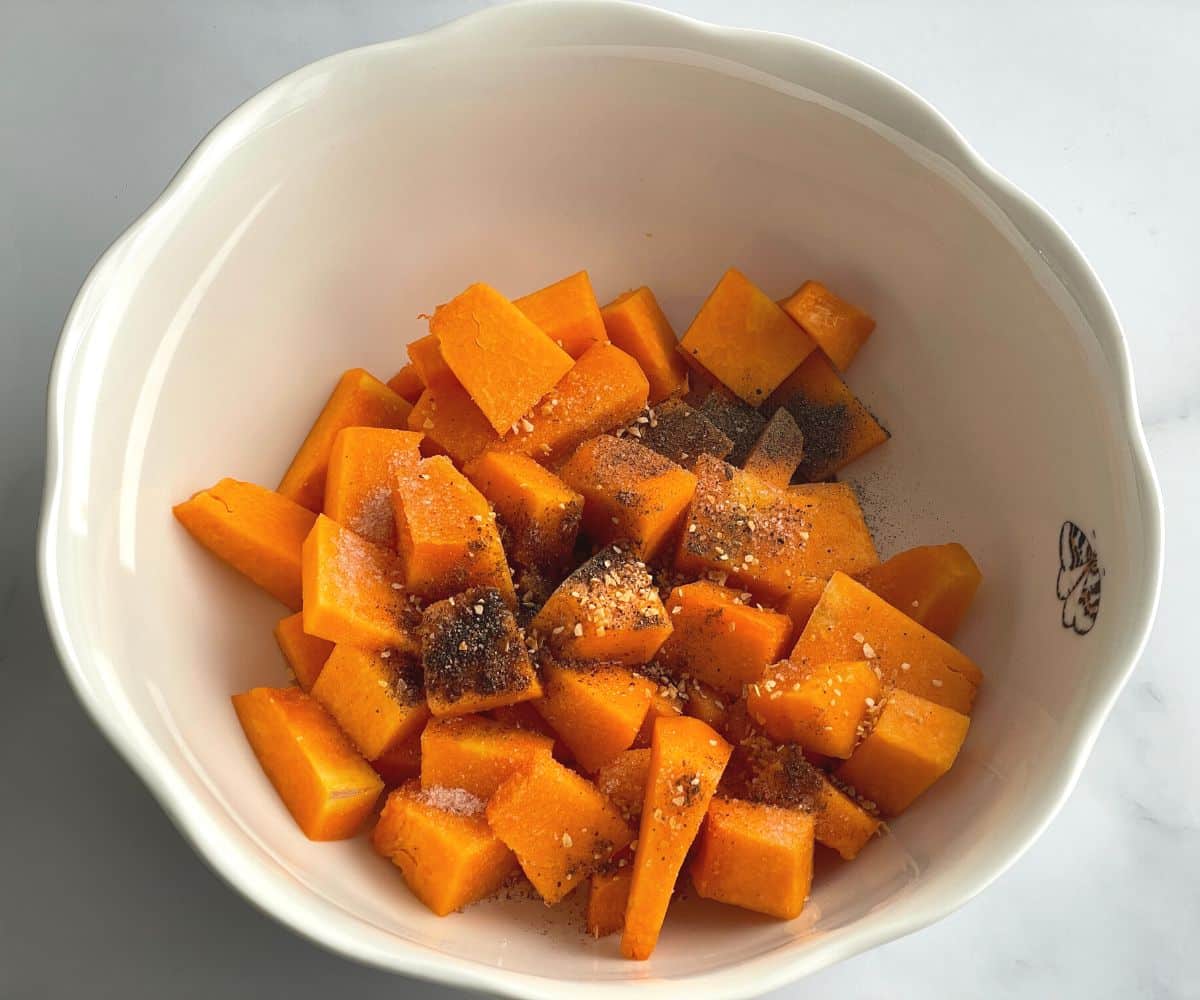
(566, 840)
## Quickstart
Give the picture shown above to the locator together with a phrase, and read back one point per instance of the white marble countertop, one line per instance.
(1094, 109)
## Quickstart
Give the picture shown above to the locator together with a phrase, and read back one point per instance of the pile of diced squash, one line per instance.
(590, 605)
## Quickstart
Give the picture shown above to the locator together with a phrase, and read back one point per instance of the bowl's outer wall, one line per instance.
(312, 227)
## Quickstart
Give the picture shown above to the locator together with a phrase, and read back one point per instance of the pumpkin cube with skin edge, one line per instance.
(604, 390)
(607, 610)
(559, 825)
(440, 841)
(686, 761)
(720, 637)
(376, 697)
(766, 539)
(365, 464)
(784, 777)
(596, 709)
(779, 450)
(755, 856)
(743, 338)
(474, 655)
(820, 706)
(353, 591)
(742, 423)
(503, 360)
(324, 783)
(358, 400)
(254, 530)
(305, 654)
(407, 383)
(541, 513)
(932, 584)
(608, 896)
(838, 327)
(837, 427)
(567, 312)
(400, 764)
(913, 743)
(852, 623)
(623, 780)
(637, 325)
(477, 754)
(677, 431)
(446, 533)
(630, 493)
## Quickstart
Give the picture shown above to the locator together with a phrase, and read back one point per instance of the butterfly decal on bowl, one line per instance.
(1079, 578)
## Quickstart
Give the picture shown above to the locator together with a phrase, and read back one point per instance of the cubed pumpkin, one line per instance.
(407, 383)
(358, 400)
(838, 327)
(354, 591)
(443, 846)
(256, 531)
(745, 339)
(559, 825)
(779, 450)
(852, 623)
(631, 494)
(608, 895)
(821, 706)
(474, 655)
(636, 323)
(913, 743)
(324, 782)
(567, 312)
(476, 753)
(607, 610)
(623, 780)
(681, 433)
(933, 585)
(365, 465)
(742, 423)
(305, 654)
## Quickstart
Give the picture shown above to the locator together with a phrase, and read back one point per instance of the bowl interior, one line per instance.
(367, 191)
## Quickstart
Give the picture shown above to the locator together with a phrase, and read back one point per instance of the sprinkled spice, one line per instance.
(739, 421)
(826, 428)
(681, 434)
(458, 801)
(471, 645)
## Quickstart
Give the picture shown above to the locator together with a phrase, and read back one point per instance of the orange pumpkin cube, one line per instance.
(358, 400)
(766, 539)
(708, 705)
(852, 623)
(541, 513)
(474, 655)
(803, 595)
(838, 327)
(446, 533)
(637, 325)
(305, 654)
(914, 742)
(755, 856)
(687, 759)
(567, 312)
(821, 706)
(743, 338)
(452, 424)
(407, 383)
(400, 764)
(932, 584)
(630, 493)
(608, 895)
(558, 824)
(720, 637)
(785, 778)
(503, 360)
(607, 610)
(257, 532)
(353, 591)
(365, 464)
(837, 427)
(666, 703)
(442, 844)
(677, 431)
(623, 780)
(376, 697)
(779, 450)
(327, 787)
(477, 754)
(596, 709)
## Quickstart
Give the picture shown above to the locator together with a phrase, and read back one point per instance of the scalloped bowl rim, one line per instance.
(771, 971)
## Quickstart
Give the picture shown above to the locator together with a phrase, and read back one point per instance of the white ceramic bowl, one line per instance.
(311, 227)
